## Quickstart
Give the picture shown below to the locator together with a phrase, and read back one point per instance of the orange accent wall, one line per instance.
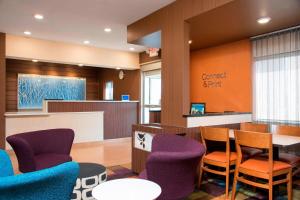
(221, 77)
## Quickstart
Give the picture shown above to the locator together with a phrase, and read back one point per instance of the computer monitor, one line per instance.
(125, 97)
(197, 109)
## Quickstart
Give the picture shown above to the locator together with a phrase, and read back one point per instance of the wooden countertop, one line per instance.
(92, 101)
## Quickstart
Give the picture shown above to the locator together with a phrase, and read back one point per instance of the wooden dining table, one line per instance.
(279, 141)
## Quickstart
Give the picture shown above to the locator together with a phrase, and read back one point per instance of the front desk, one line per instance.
(88, 126)
(92, 121)
(118, 116)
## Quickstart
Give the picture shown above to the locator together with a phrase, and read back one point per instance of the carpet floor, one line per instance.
(214, 187)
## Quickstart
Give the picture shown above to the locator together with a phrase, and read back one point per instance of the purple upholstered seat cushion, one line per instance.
(50, 160)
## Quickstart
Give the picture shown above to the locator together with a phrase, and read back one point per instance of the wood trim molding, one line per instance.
(2, 89)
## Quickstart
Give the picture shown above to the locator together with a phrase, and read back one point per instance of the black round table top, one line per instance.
(90, 169)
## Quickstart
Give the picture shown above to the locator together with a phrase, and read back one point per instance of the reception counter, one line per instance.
(118, 116)
(88, 126)
(92, 121)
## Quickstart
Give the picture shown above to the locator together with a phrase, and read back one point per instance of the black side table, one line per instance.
(90, 175)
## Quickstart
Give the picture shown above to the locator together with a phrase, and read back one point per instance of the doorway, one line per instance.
(151, 101)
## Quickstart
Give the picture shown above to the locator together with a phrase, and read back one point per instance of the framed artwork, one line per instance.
(33, 89)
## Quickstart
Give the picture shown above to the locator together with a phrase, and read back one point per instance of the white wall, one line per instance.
(88, 126)
(59, 52)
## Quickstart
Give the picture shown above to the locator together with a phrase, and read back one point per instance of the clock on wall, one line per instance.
(121, 75)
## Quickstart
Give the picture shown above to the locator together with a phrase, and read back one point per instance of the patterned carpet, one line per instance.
(214, 187)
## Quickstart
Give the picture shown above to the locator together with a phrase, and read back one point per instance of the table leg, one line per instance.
(275, 153)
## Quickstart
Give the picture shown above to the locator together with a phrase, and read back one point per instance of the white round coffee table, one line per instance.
(127, 188)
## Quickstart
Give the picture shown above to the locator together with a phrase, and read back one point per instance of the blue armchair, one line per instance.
(54, 183)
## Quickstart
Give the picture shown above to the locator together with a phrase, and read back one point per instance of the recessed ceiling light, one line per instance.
(264, 20)
(107, 30)
(118, 68)
(86, 42)
(80, 65)
(39, 16)
(34, 60)
(27, 32)
(131, 49)
(190, 41)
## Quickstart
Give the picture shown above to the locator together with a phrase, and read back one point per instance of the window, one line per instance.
(109, 91)
(277, 77)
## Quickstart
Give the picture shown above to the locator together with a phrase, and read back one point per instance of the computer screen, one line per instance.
(125, 97)
(197, 109)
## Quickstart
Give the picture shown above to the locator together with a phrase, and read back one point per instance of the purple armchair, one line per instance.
(173, 165)
(42, 149)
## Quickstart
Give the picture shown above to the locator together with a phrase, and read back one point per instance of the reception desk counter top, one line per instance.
(23, 114)
(92, 101)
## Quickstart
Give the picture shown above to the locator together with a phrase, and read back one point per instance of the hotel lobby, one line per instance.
(144, 100)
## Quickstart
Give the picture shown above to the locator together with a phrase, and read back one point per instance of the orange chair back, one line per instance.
(253, 139)
(215, 134)
(218, 135)
(263, 128)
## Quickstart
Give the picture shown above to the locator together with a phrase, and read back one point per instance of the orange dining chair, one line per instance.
(260, 169)
(249, 152)
(292, 159)
(222, 159)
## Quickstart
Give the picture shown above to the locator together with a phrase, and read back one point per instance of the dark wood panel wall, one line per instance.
(14, 67)
(171, 20)
(130, 84)
(95, 79)
(118, 116)
(2, 90)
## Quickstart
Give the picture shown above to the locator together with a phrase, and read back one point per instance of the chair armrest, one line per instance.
(39, 176)
(24, 153)
(5, 165)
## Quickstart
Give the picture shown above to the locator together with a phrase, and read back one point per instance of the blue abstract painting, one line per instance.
(33, 89)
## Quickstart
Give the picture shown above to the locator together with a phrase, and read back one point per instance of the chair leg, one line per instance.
(271, 189)
(236, 173)
(290, 185)
(227, 182)
(200, 174)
